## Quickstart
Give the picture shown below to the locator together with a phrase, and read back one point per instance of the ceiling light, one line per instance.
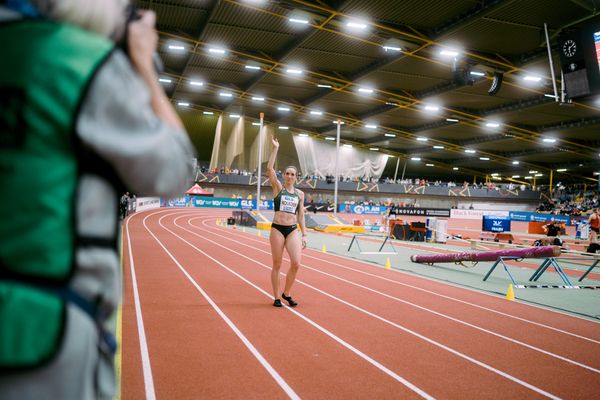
(258, 98)
(539, 175)
(322, 85)
(225, 94)
(561, 170)
(234, 115)
(374, 148)
(438, 147)
(369, 126)
(391, 103)
(528, 177)
(283, 108)
(449, 53)
(216, 50)
(431, 107)
(392, 48)
(484, 158)
(196, 83)
(550, 95)
(183, 104)
(207, 112)
(516, 176)
(416, 158)
(533, 172)
(356, 25)
(316, 112)
(477, 73)
(389, 135)
(515, 162)
(532, 78)
(495, 174)
(294, 71)
(164, 80)
(470, 151)
(548, 140)
(176, 47)
(329, 138)
(348, 145)
(429, 165)
(451, 120)
(422, 139)
(285, 128)
(303, 134)
(298, 21)
(455, 168)
(365, 90)
(341, 122)
(254, 67)
(492, 125)
(256, 123)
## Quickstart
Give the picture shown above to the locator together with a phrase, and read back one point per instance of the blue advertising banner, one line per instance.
(492, 223)
(360, 209)
(176, 202)
(212, 202)
(251, 204)
(533, 217)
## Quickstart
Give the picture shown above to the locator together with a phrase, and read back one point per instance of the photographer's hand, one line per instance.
(142, 43)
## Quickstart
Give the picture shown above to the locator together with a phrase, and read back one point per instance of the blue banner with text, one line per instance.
(534, 217)
(216, 202)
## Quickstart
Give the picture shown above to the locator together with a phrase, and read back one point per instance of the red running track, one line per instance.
(198, 323)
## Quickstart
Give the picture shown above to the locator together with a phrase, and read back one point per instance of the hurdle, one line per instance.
(589, 270)
(552, 261)
(386, 240)
(549, 253)
(499, 257)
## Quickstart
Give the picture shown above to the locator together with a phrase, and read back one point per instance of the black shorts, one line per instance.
(597, 230)
(285, 229)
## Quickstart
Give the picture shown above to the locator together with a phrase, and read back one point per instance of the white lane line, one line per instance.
(280, 381)
(407, 330)
(373, 362)
(146, 367)
(439, 294)
(509, 339)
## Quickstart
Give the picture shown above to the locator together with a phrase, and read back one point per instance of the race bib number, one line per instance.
(289, 204)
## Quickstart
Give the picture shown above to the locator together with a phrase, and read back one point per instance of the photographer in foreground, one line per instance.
(80, 123)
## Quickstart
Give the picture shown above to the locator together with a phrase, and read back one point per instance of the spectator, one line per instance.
(552, 229)
(594, 222)
(124, 205)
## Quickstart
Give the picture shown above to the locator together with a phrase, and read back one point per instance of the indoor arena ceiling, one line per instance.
(386, 69)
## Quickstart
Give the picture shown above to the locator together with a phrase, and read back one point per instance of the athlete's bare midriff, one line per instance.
(285, 218)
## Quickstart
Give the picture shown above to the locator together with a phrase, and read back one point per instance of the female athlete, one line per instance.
(288, 228)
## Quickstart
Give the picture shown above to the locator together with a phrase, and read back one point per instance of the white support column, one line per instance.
(259, 172)
(337, 157)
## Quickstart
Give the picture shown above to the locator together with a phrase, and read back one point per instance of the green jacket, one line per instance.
(44, 75)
